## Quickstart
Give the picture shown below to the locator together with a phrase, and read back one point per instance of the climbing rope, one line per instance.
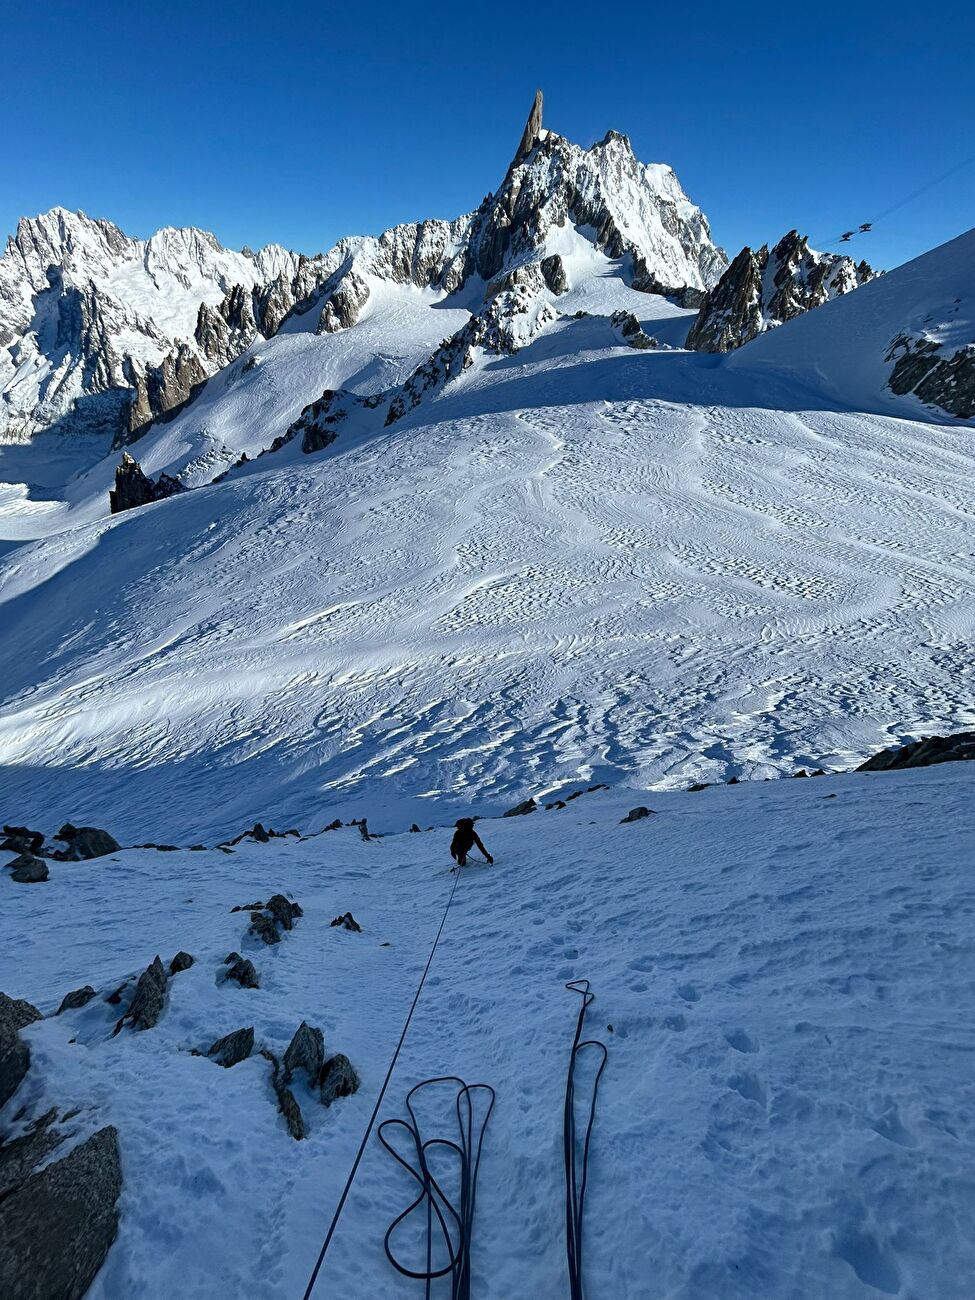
(379, 1101)
(456, 1233)
(576, 1162)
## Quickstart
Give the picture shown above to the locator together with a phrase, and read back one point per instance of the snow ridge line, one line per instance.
(379, 1101)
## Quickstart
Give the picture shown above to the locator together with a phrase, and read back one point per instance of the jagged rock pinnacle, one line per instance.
(532, 128)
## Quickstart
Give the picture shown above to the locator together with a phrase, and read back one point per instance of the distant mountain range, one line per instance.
(104, 334)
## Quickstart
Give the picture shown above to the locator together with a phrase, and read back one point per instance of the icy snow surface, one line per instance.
(787, 1110)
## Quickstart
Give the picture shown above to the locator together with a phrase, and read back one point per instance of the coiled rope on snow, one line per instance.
(456, 1231)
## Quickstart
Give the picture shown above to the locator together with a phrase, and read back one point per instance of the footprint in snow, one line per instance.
(741, 1041)
(689, 993)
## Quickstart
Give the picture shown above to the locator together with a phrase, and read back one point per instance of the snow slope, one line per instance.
(787, 1109)
(579, 562)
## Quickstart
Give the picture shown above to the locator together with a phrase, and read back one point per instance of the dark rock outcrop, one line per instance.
(134, 488)
(637, 814)
(341, 308)
(922, 367)
(762, 289)
(923, 753)
(553, 273)
(182, 961)
(149, 999)
(348, 922)
(631, 330)
(18, 1012)
(84, 842)
(287, 1102)
(263, 927)
(244, 973)
(28, 870)
(20, 839)
(282, 910)
(233, 1048)
(79, 998)
(337, 1079)
(306, 1051)
(57, 1228)
(15, 1014)
(520, 809)
(19, 1156)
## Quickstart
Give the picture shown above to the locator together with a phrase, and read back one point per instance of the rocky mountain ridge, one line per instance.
(761, 290)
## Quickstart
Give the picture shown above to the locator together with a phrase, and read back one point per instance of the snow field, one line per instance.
(787, 1107)
(580, 562)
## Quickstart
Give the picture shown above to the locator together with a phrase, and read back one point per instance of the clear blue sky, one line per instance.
(301, 122)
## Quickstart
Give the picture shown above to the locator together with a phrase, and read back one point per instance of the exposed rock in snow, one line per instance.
(28, 870)
(337, 1079)
(20, 1155)
(134, 488)
(341, 308)
(150, 997)
(760, 290)
(182, 961)
(77, 999)
(922, 753)
(521, 809)
(15, 1015)
(940, 378)
(347, 921)
(19, 839)
(243, 972)
(282, 910)
(631, 330)
(637, 814)
(57, 1228)
(306, 1051)
(233, 1048)
(263, 928)
(85, 842)
(287, 1102)
(553, 273)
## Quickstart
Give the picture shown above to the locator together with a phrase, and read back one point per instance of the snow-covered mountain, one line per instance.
(762, 289)
(103, 332)
(88, 315)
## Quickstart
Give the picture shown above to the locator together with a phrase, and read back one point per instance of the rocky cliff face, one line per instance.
(762, 289)
(632, 212)
(935, 373)
(97, 329)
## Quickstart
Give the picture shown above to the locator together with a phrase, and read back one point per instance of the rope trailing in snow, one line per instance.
(576, 1169)
(456, 1234)
(379, 1101)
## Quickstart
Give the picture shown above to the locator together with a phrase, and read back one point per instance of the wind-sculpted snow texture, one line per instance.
(580, 561)
(781, 975)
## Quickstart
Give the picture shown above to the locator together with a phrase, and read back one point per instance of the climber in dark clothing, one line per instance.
(465, 837)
